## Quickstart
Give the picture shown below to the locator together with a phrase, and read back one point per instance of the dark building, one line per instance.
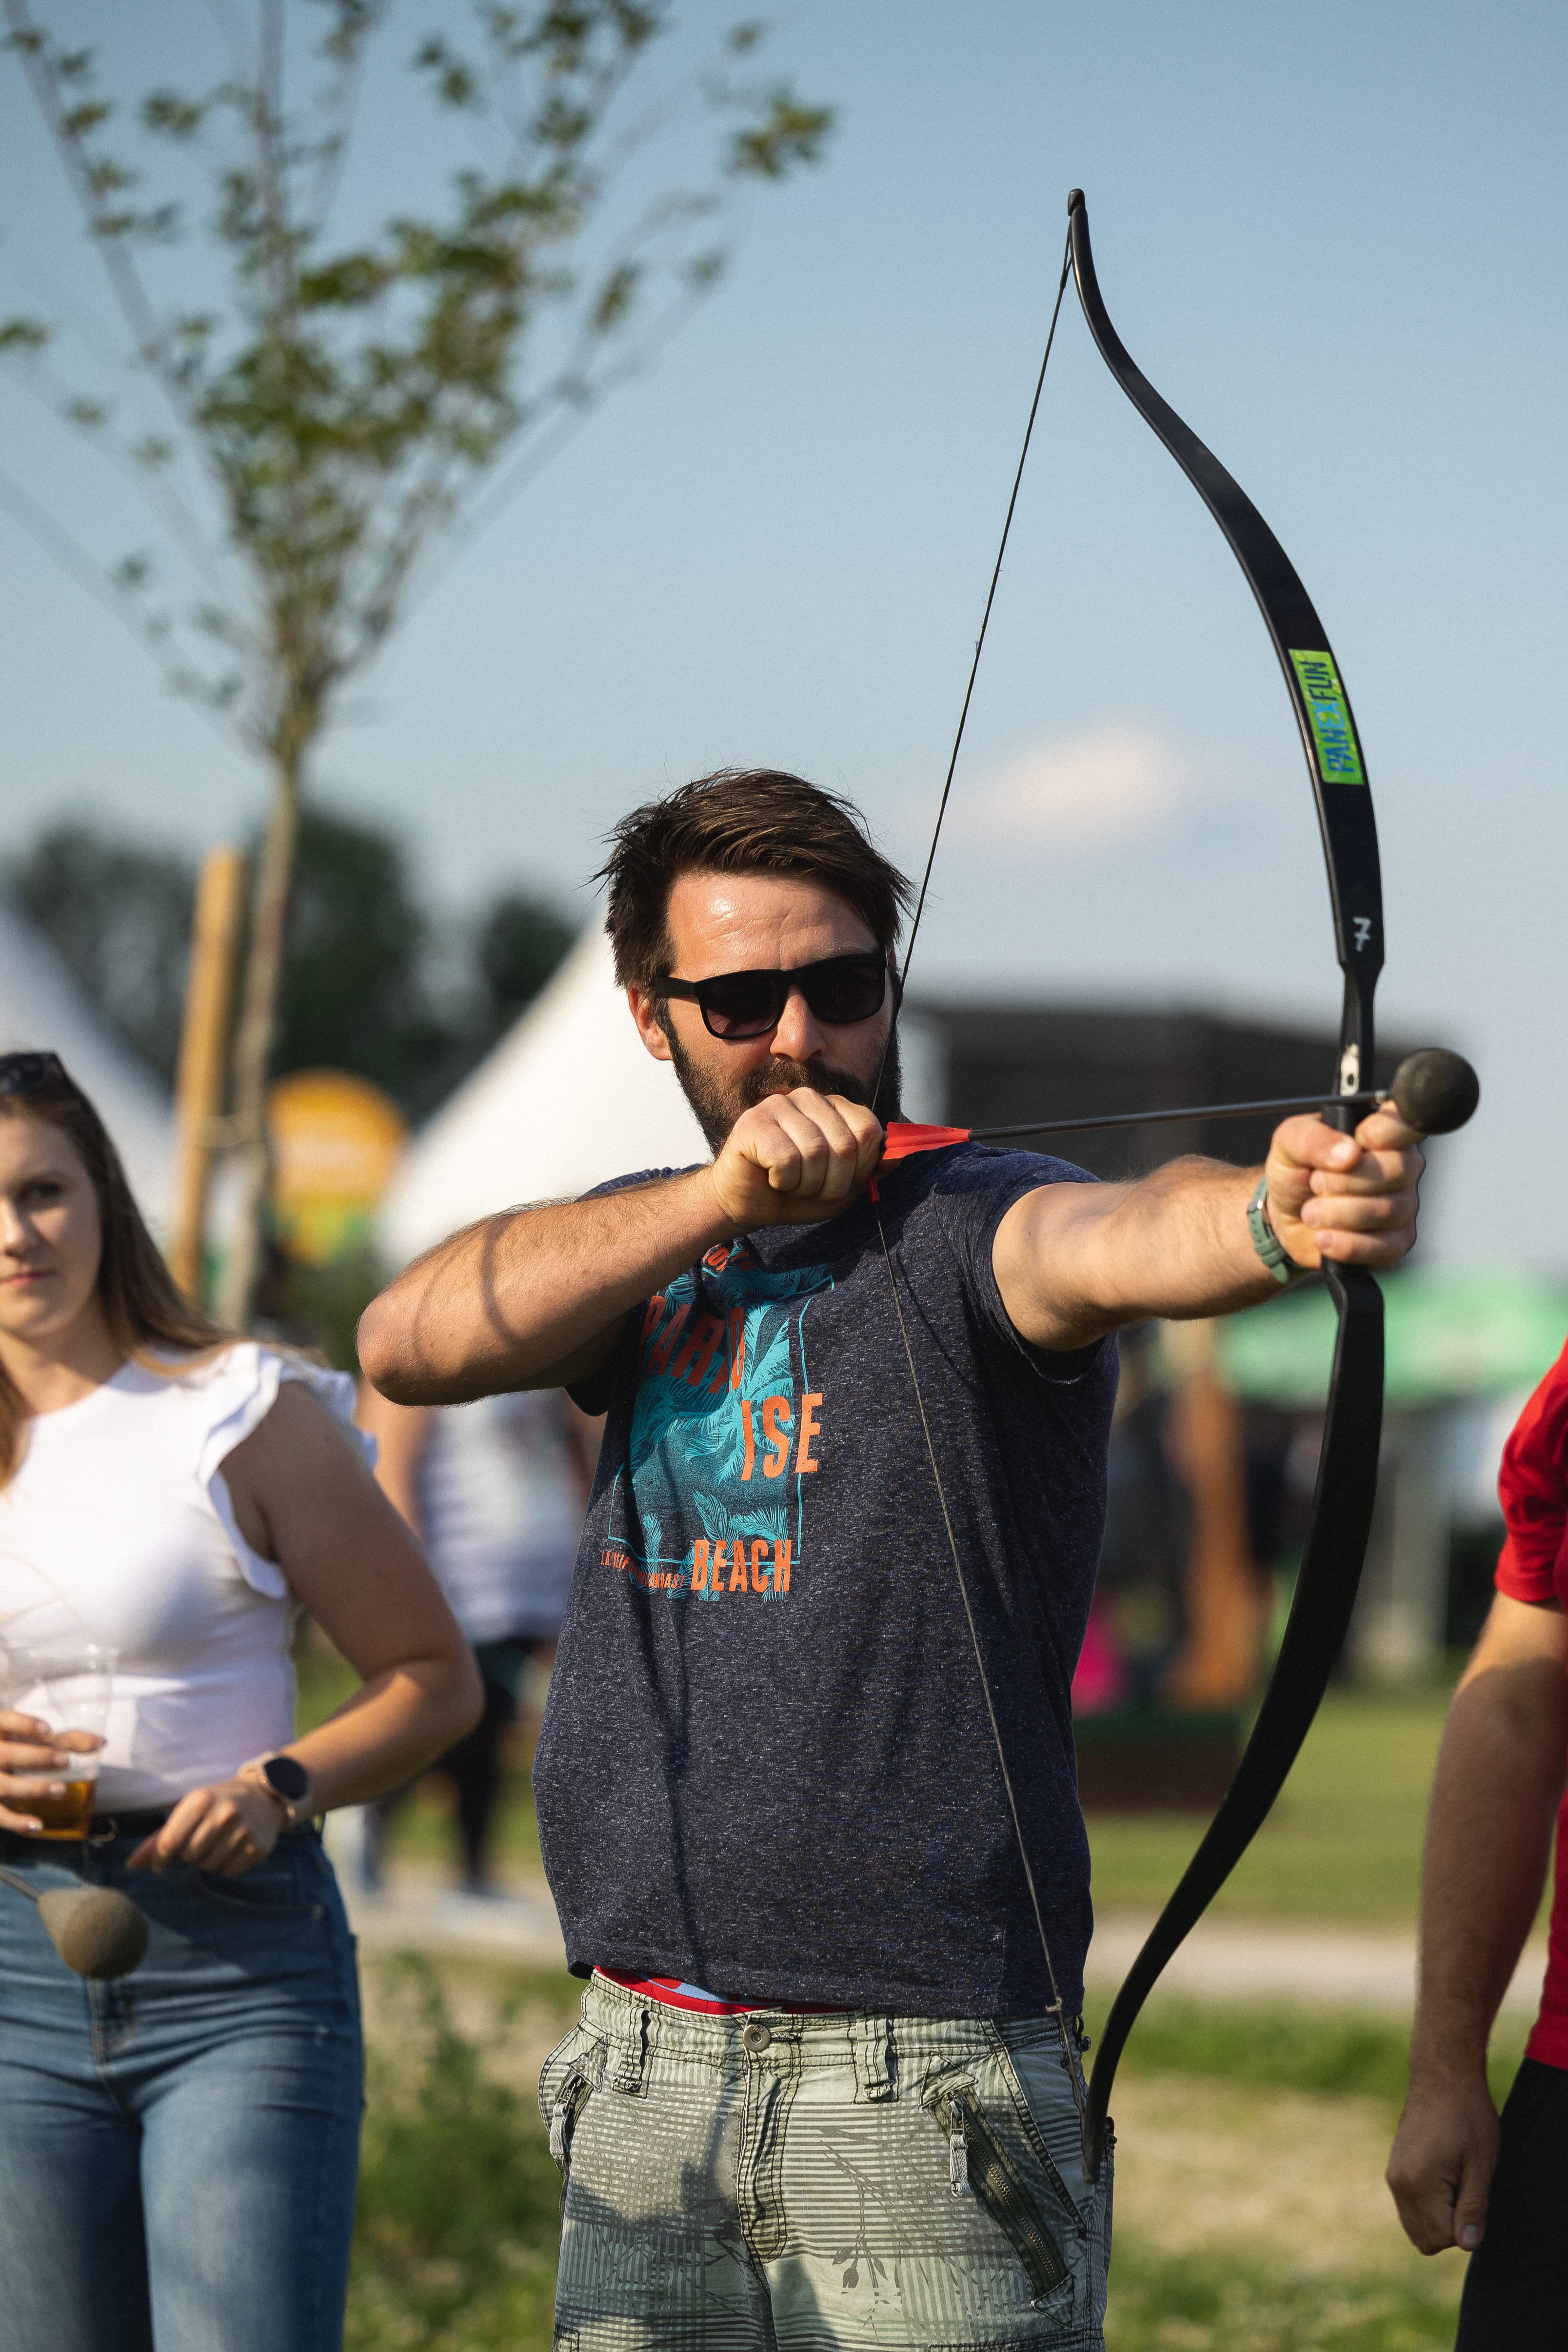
(1008, 1062)
(1001, 1064)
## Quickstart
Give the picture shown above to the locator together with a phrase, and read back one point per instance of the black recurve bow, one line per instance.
(1347, 1483)
(1347, 1468)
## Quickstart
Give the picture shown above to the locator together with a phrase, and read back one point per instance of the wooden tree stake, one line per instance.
(204, 1054)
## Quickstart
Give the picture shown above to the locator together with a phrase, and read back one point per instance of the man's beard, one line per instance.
(716, 1106)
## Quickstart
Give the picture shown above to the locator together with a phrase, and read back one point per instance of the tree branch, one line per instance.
(31, 46)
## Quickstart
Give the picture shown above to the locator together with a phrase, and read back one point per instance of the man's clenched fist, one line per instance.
(794, 1159)
(1443, 2161)
(1348, 1198)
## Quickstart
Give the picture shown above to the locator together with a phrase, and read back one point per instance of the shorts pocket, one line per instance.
(557, 2065)
(569, 2101)
(1034, 2214)
(569, 2075)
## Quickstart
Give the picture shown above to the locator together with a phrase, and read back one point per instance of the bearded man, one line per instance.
(825, 2088)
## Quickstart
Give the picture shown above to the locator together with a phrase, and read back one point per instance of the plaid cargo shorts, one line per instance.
(734, 2184)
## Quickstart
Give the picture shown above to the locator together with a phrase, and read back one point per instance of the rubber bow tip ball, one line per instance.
(1435, 1092)
(97, 1932)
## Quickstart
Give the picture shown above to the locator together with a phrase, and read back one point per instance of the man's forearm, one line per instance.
(1074, 1261)
(1178, 1245)
(536, 1297)
(1494, 1801)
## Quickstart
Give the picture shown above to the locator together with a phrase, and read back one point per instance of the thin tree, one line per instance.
(336, 416)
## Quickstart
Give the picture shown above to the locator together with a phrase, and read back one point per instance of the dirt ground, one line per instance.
(1250, 2220)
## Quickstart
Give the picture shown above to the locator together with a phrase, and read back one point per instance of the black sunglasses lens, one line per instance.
(849, 988)
(741, 1004)
(841, 990)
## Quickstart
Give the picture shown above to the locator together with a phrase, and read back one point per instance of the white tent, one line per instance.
(569, 1098)
(42, 1007)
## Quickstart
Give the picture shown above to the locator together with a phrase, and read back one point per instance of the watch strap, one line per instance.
(1266, 1240)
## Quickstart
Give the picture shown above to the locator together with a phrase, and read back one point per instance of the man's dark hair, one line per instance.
(740, 821)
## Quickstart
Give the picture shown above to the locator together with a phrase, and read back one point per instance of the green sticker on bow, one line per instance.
(1339, 754)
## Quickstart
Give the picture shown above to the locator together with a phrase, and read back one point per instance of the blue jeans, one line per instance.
(179, 2149)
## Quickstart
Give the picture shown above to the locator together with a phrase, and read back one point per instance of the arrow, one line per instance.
(1433, 1091)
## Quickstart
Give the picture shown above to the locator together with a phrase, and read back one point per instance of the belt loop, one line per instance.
(871, 2049)
(631, 2076)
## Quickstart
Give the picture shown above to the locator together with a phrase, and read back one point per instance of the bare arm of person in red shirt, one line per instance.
(1489, 1839)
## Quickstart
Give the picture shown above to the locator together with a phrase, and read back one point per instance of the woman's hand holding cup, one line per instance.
(35, 1765)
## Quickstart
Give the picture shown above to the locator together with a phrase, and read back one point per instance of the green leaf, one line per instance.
(788, 134)
(170, 116)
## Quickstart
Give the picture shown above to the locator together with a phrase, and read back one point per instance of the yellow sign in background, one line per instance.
(336, 1140)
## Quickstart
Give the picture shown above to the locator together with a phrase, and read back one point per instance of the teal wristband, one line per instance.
(1266, 1240)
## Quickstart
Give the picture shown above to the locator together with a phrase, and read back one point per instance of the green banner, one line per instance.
(1339, 754)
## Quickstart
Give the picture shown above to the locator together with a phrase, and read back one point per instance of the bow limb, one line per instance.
(1347, 1467)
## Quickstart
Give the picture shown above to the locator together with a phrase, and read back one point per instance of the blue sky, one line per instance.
(1336, 241)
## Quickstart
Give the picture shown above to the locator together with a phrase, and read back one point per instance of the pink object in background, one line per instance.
(1101, 1681)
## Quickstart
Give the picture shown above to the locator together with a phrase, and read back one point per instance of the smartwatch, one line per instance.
(287, 1782)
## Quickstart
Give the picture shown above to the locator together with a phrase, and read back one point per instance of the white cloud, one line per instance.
(1083, 792)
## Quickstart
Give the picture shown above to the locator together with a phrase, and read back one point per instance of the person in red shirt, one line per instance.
(1459, 2177)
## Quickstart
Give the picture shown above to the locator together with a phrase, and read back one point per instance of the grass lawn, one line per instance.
(1343, 1844)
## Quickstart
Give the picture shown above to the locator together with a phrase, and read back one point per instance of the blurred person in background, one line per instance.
(179, 2157)
(1460, 2177)
(495, 1492)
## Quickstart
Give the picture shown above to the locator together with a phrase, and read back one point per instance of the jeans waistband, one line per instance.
(104, 1828)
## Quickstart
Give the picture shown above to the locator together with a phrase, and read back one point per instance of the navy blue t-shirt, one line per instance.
(766, 1765)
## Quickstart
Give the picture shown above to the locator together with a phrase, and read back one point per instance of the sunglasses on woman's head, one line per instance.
(31, 1074)
(839, 990)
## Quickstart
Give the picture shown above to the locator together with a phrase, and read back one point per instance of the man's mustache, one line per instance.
(777, 1075)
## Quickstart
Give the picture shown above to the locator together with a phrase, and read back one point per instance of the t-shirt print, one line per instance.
(726, 1436)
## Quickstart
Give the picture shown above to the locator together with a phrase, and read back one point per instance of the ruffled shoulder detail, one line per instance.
(242, 1385)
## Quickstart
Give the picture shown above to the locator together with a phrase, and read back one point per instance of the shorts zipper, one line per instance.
(979, 2165)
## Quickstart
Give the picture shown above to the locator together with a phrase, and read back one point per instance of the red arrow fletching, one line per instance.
(903, 1139)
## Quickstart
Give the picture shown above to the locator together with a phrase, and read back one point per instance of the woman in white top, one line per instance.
(178, 2148)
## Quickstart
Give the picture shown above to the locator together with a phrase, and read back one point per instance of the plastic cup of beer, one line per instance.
(69, 1688)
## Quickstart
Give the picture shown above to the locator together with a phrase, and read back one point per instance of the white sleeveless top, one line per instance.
(118, 1528)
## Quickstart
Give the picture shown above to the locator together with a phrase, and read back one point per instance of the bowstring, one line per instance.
(979, 648)
(1074, 2073)
(1057, 2007)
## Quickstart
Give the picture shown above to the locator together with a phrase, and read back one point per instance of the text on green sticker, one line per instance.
(1339, 754)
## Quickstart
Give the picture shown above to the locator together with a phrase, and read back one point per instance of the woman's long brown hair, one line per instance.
(144, 1311)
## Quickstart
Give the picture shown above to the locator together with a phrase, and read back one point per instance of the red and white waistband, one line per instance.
(673, 1993)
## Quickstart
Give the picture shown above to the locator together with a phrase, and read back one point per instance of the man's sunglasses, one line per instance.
(33, 1074)
(841, 990)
